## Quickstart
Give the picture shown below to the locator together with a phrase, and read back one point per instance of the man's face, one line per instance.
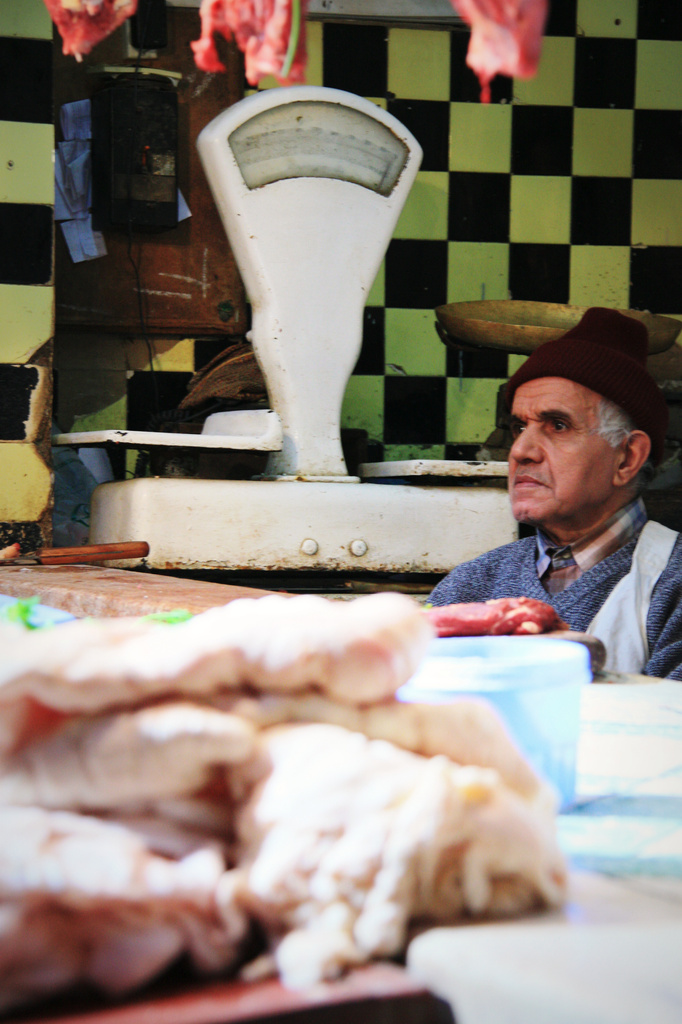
(562, 475)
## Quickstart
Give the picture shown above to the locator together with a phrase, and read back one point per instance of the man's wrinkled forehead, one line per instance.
(544, 397)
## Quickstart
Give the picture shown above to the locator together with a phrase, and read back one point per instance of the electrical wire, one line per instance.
(135, 265)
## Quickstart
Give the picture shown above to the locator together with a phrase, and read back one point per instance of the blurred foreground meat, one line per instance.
(157, 798)
(84, 900)
(348, 840)
(358, 652)
(270, 34)
(506, 37)
(84, 23)
(501, 616)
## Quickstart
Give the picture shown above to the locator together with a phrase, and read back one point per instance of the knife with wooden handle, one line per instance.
(84, 553)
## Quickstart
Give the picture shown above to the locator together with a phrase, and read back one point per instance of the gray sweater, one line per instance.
(510, 571)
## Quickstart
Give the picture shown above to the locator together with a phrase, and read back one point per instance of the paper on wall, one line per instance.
(82, 241)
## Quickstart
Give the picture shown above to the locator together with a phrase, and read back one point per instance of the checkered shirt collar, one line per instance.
(593, 548)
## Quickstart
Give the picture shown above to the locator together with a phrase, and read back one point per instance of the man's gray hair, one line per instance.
(615, 425)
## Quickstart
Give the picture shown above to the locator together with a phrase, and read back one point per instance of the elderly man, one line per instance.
(588, 425)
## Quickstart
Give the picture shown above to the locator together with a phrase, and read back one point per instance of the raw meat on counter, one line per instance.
(506, 37)
(464, 730)
(337, 861)
(246, 782)
(106, 903)
(84, 23)
(501, 616)
(358, 652)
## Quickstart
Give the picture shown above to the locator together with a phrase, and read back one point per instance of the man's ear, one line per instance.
(633, 454)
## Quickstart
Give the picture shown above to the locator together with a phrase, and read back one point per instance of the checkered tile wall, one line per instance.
(26, 293)
(565, 188)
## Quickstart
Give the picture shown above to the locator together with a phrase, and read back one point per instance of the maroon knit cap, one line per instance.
(606, 352)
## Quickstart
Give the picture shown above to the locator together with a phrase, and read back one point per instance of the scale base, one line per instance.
(256, 525)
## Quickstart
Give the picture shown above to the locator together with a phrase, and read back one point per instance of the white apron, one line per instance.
(620, 623)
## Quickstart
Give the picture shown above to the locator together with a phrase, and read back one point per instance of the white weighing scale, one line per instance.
(309, 183)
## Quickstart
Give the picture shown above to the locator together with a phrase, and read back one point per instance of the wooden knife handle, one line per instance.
(92, 553)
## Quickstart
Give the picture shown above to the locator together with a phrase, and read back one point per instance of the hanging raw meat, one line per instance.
(84, 23)
(270, 34)
(506, 37)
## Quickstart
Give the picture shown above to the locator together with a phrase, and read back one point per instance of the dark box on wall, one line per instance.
(134, 155)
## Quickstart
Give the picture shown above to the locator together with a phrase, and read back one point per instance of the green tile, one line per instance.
(363, 406)
(419, 64)
(553, 83)
(615, 19)
(111, 417)
(477, 270)
(471, 409)
(377, 293)
(658, 84)
(656, 212)
(174, 355)
(602, 142)
(480, 137)
(26, 320)
(412, 344)
(514, 361)
(400, 452)
(600, 276)
(25, 19)
(26, 168)
(131, 464)
(540, 209)
(425, 214)
(26, 482)
(313, 71)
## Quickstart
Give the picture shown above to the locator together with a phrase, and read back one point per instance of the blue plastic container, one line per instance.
(533, 682)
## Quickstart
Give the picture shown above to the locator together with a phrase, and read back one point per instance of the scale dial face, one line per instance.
(318, 139)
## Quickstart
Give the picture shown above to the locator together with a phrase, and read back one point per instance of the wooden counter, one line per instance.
(94, 590)
(380, 993)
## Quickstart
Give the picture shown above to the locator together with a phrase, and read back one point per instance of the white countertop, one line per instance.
(613, 954)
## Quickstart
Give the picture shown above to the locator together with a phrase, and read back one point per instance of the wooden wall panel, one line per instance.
(189, 282)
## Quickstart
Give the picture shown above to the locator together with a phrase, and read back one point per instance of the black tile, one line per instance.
(539, 273)
(488, 362)
(464, 85)
(604, 72)
(17, 384)
(478, 207)
(601, 211)
(25, 243)
(206, 349)
(658, 144)
(414, 410)
(27, 534)
(371, 358)
(355, 58)
(149, 395)
(655, 275)
(462, 452)
(561, 19)
(416, 274)
(542, 140)
(659, 19)
(429, 122)
(375, 451)
(26, 80)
